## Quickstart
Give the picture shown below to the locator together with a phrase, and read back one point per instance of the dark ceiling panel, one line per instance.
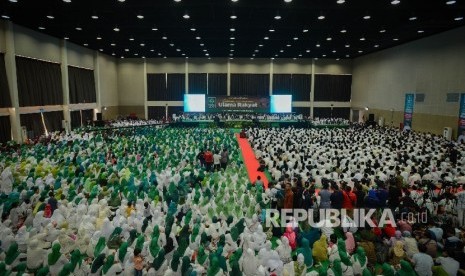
(164, 32)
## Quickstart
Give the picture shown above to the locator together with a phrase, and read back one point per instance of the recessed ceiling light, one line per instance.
(272, 58)
(205, 50)
(231, 50)
(101, 50)
(323, 55)
(154, 29)
(116, 29)
(113, 54)
(140, 16)
(256, 51)
(232, 30)
(334, 51)
(251, 58)
(271, 30)
(362, 38)
(287, 1)
(338, 59)
(233, 16)
(360, 51)
(183, 54)
(121, 1)
(78, 28)
(207, 54)
(186, 16)
(347, 45)
(382, 31)
(142, 44)
(451, 2)
(376, 46)
(67, 1)
(294, 58)
(288, 45)
(343, 31)
(159, 54)
(232, 38)
(5, 16)
(308, 51)
(94, 17)
(136, 54)
(164, 37)
(85, 44)
(152, 50)
(177, 0)
(231, 58)
(266, 38)
(366, 17)
(113, 44)
(281, 51)
(395, 2)
(13, 1)
(300, 55)
(276, 55)
(277, 17)
(420, 31)
(41, 28)
(230, 55)
(321, 17)
(340, 1)
(127, 50)
(329, 38)
(458, 18)
(296, 38)
(260, 45)
(131, 39)
(305, 30)
(253, 55)
(395, 39)
(347, 55)
(234, 0)
(50, 16)
(178, 50)
(171, 44)
(197, 37)
(66, 38)
(412, 18)
(318, 45)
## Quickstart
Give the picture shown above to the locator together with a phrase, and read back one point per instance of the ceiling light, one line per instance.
(362, 38)
(277, 17)
(230, 55)
(79, 28)
(142, 44)
(207, 54)
(85, 44)
(127, 50)
(67, 1)
(50, 17)
(178, 50)
(159, 54)
(253, 55)
(376, 46)
(340, 1)
(271, 30)
(395, 2)
(164, 37)
(334, 51)
(305, 30)
(321, 17)
(366, 17)
(232, 50)
(113, 44)
(347, 45)
(266, 38)
(113, 54)
(232, 38)
(420, 31)
(276, 55)
(13, 1)
(281, 51)
(308, 51)
(154, 29)
(121, 1)
(152, 50)
(94, 17)
(260, 45)
(140, 16)
(395, 39)
(5, 16)
(136, 54)
(329, 38)
(171, 44)
(344, 31)
(197, 37)
(256, 51)
(251, 58)
(41, 28)
(412, 18)
(233, 16)
(232, 30)
(205, 50)
(101, 50)
(272, 58)
(288, 45)
(294, 58)
(360, 51)
(234, 0)
(458, 18)
(451, 2)
(323, 55)
(296, 38)
(131, 39)
(66, 38)
(186, 16)
(183, 54)
(116, 29)
(318, 45)
(201, 44)
(288, 1)
(231, 58)
(347, 55)
(382, 31)
(177, 0)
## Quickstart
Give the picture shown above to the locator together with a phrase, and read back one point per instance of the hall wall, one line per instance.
(434, 66)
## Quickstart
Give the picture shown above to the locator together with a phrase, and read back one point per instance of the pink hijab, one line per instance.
(350, 243)
(290, 235)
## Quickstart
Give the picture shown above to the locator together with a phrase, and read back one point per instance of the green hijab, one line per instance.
(337, 269)
(387, 270)
(201, 255)
(55, 254)
(175, 261)
(98, 262)
(76, 259)
(66, 270)
(154, 247)
(405, 269)
(214, 267)
(3, 270)
(186, 265)
(123, 249)
(159, 259)
(360, 256)
(108, 264)
(100, 246)
(41, 272)
(11, 254)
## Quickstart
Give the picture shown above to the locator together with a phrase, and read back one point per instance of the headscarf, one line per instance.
(175, 261)
(337, 268)
(360, 256)
(201, 256)
(123, 249)
(387, 270)
(41, 272)
(350, 242)
(100, 246)
(214, 267)
(98, 262)
(3, 270)
(75, 258)
(341, 247)
(320, 251)
(66, 270)
(186, 265)
(399, 249)
(406, 269)
(159, 259)
(11, 254)
(306, 252)
(108, 264)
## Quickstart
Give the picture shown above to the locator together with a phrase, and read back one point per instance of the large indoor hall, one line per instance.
(232, 137)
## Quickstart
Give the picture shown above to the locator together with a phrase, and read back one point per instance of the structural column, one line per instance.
(228, 82)
(312, 92)
(10, 64)
(65, 83)
(146, 109)
(271, 77)
(97, 84)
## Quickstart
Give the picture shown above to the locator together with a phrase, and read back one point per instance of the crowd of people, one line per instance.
(168, 201)
(232, 116)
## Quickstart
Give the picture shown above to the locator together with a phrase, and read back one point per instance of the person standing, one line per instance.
(216, 161)
(208, 155)
(289, 197)
(461, 206)
(138, 262)
(224, 158)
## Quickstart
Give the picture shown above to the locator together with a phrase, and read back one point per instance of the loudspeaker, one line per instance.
(99, 116)
(371, 117)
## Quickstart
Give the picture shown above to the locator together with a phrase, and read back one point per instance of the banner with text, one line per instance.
(408, 110)
(462, 114)
(238, 104)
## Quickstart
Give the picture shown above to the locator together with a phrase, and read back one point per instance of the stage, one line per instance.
(249, 123)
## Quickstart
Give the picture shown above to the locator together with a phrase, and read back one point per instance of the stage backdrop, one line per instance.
(462, 114)
(238, 104)
(408, 110)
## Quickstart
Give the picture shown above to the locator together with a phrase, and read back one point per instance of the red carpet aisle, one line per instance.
(251, 163)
